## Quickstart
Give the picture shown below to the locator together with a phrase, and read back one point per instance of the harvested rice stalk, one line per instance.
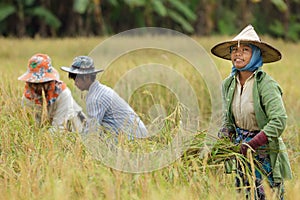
(44, 114)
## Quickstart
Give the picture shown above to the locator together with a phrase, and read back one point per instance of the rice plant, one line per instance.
(37, 164)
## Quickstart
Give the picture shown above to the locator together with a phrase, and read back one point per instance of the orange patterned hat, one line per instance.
(39, 70)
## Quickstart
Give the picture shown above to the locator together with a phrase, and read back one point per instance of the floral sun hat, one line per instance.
(249, 36)
(39, 70)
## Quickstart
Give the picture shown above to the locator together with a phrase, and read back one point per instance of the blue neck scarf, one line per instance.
(255, 62)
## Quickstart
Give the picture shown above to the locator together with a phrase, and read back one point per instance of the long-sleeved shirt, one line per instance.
(112, 112)
(62, 113)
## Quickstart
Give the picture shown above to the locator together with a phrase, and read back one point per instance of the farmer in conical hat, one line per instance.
(103, 104)
(43, 89)
(253, 106)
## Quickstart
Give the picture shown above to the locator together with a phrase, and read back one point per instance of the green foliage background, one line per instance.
(55, 18)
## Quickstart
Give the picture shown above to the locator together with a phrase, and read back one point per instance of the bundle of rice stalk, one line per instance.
(224, 151)
(220, 151)
(44, 112)
(196, 145)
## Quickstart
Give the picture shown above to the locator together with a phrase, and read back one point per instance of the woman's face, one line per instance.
(241, 56)
(38, 87)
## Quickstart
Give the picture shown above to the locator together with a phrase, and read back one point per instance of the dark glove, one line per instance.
(259, 140)
(226, 132)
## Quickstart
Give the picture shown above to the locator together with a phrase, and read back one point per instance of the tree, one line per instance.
(16, 15)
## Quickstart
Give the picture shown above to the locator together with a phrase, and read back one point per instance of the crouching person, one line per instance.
(103, 104)
(49, 97)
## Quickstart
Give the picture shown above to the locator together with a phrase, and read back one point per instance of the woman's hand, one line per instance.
(259, 140)
(226, 132)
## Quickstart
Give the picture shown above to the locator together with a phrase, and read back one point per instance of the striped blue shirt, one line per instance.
(105, 106)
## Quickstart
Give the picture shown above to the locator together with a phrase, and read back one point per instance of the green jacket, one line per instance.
(270, 115)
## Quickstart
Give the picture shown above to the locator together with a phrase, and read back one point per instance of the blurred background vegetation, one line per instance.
(70, 18)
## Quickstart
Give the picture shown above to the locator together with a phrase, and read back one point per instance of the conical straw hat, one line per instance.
(249, 36)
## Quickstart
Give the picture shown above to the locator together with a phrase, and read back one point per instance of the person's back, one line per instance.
(118, 116)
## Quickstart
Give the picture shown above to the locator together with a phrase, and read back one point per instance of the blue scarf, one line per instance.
(255, 62)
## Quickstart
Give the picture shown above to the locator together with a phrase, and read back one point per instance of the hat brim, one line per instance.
(32, 78)
(80, 71)
(269, 53)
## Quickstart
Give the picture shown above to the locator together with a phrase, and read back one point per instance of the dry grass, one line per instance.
(37, 165)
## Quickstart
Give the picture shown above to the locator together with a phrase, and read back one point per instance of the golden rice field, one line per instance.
(37, 165)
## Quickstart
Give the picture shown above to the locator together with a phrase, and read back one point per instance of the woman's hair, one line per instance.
(74, 76)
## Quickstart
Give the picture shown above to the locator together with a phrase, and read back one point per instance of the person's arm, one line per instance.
(35, 109)
(96, 110)
(259, 140)
(275, 112)
(224, 107)
(227, 130)
(274, 109)
(28, 103)
(63, 110)
(95, 113)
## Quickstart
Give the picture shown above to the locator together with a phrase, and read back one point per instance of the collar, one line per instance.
(259, 74)
(249, 78)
